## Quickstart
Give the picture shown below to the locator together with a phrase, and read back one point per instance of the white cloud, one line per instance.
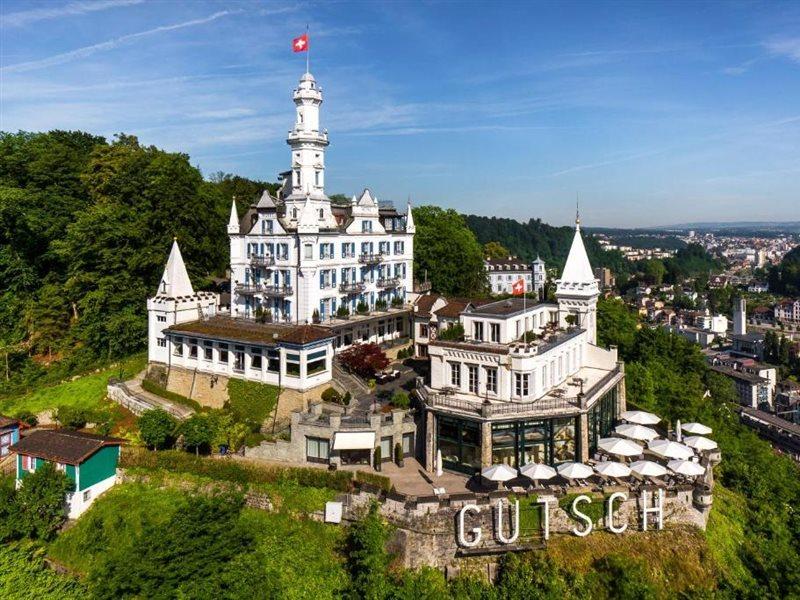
(25, 17)
(78, 53)
(787, 47)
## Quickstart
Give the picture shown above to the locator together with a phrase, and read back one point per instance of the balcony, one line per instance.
(248, 288)
(277, 290)
(388, 282)
(262, 260)
(367, 258)
(352, 288)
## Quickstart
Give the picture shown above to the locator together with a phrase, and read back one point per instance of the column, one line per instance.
(486, 444)
(583, 436)
(430, 442)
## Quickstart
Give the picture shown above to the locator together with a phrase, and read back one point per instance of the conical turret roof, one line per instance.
(175, 281)
(578, 268)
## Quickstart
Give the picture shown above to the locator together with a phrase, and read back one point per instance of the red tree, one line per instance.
(364, 359)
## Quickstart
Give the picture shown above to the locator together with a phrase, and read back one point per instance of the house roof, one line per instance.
(577, 269)
(6, 421)
(455, 307)
(63, 445)
(504, 308)
(425, 304)
(244, 330)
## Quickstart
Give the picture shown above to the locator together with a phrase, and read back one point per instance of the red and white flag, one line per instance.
(519, 287)
(300, 44)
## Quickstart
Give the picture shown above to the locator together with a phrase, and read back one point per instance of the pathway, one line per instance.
(134, 386)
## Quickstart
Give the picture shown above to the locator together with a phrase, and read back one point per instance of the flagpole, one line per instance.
(308, 50)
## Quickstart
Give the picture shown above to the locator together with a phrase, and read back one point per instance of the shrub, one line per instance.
(157, 428)
(400, 400)
(28, 418)
(367, 558)
(380, 305)
(342, 311)
(71, 417)
(251, 402)
(41, 501)
(453, 333)
(398, 453)
(254, 439)
(347, 398)
(397, 301)
(362, 308)
(198, 432)
(331, 395)
(377, 455)
(379, 481)
(315, 316)
(237, 471)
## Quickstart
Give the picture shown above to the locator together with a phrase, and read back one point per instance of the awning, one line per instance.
(354, 440)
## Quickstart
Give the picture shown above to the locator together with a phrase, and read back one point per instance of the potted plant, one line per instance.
(397, 301)
(380, 305)
(342, 312)
(378, 458)
(362, 308)
(315, 316)
(398, 454)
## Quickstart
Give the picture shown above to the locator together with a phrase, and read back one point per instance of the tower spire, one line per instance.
(577, 211)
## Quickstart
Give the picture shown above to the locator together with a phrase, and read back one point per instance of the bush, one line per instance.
(156, 389)
(41, 502)
(379, 481)
(198, 432)
(254, 439)
(342, 312)
(364, 359)
(400, 400)
(347, 398)
(362, 308)
(331, 395)
(453, 333)
(157, 428)
(71, 417)
(397, 301)
(380, 305)
(28, 418)
(367, 558)
(237, 471)
(251, 402)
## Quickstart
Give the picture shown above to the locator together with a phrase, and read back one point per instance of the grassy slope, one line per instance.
(290, 547)
(23, 575)
(84, 392)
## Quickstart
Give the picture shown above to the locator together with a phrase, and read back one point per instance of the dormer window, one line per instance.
(366, 226)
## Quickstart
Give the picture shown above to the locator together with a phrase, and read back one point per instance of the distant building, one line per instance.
(89, 461)
(503, 273)
(788, 310)
(755, 382)
(605, 277)
(758, 287)
(9, 434)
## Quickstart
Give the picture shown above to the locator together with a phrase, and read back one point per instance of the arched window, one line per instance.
(294, 213)
(321, 214)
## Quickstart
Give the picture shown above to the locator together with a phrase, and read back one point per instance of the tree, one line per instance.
(364, 359)
(448, 252)
(654, 271)
(198, 432)
(157, 428)
(368, 560)
(41, 501)
(454, 333)
(495, 251)
(616, 325)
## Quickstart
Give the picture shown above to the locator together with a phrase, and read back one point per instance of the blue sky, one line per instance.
(653, 113)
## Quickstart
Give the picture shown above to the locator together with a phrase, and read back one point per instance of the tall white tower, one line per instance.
(739, 316)
(577, 291)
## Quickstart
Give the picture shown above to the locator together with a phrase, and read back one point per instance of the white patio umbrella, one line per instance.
(678, 432)
(610, 468)
(670, 449)
(439, 463)
(620, 447)
(574, 470)
(696, 429)
(538, 471)
(648, 468)
(686, 467)
(640, 417)
(636, 432)
(500, 473)
(698, 442)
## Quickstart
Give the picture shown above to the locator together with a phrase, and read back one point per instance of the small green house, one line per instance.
(89, 460)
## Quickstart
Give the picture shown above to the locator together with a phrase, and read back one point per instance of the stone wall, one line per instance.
(207, 389)
(426, 530)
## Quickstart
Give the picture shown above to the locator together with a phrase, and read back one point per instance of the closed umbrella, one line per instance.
(612, 469)
(678, 431)
(640, 417)
(686, 467)
(696, 429)
(636, 432)
(500, 472)
(574, 470)
(620, 447)
(538, 471)
(648, 468)
(698, 442)
(438, 463)
(670, 449)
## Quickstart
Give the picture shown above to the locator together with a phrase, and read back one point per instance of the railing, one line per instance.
(370, 259)
(388, 282)
(248, 288)
(422, 286)
(264, 260)
(278, 290)
(352, 288)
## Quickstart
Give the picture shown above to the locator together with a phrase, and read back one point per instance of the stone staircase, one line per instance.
(355, 385)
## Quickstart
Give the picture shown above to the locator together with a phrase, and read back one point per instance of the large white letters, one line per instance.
(610, 512)
(476, 531)
(583, 517)
(514, 524)
(658, 509)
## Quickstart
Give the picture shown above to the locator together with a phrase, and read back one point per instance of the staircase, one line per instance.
(355, 385)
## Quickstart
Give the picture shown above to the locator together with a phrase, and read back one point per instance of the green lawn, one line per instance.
(84, 392)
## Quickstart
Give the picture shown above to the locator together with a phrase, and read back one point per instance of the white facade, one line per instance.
(504, 273)
(300, 258)
(175, 302)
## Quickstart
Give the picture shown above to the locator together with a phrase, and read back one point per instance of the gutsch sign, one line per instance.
(470, 538)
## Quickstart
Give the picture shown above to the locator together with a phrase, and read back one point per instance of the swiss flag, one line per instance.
(300, 44)
(519, 287)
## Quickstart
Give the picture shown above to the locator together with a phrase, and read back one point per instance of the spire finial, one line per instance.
(577, 211)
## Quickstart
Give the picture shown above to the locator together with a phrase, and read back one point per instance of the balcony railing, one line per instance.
(367, 258)
(262, 260)
(248, 288)
(388, 282)
(352, 288)
(277, 290)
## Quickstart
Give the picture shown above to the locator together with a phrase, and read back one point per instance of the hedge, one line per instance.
(251, 402)
(380, 481)
(156, 389)
(237, 471)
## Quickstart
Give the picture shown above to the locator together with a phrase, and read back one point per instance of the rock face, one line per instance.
(428, 532)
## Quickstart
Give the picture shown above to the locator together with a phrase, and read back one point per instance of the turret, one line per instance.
(577, 290)
(233, 221)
